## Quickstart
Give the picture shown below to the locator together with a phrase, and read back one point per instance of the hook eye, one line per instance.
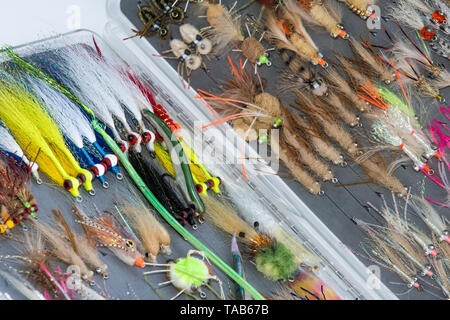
(105, 185)
(92, 192)
(79, 199)
(119, 176)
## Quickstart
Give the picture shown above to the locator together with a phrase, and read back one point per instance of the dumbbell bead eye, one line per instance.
(99, 169)
(132, 139)
(146, 137)
(82, 178)
(110, 160)
(123, 146)
(67, 185)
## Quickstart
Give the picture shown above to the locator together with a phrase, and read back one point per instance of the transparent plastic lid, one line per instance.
(339, 267)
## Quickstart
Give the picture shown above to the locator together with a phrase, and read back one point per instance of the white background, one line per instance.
(24, 21)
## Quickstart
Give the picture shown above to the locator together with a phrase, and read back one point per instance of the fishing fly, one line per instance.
(157, 18)
(18, 106)
(408, 15)
(317, 13)
(286, 31)
(10, 147)
(189, 275)
(103, 229)
(299, 76)
(17, 203)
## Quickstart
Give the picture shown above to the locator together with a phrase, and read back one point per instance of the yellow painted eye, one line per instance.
(130, 244)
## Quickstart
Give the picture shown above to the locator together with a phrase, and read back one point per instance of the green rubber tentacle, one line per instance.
(183, 161)
(171, 220)
(137, 179)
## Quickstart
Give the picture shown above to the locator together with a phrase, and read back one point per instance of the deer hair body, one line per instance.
(326, 16)
(339, 83)
(307, 156)
(187, 59)
(224, 27)
(318, 141)
(369, 57)
(256, 109)
(288, 156)
(153, 235)
(191, 35)
(287, 32)
(298, 76)
(318, 112)
(347, 115)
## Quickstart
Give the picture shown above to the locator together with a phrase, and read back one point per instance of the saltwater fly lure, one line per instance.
(157, 17)
(409, 15)
(286, 31)
(261, 112)
(17, 203)
(78, 68)
(374, 168)
(410, 60)
(18, 106)
(82, 244)
(225, 28)
(104, 230)
(316, 13)
(10, 147)
(404, 248)
(299, 76)
(189, 275)
(189, 51)
(272, 257)
(73, 125)
(152, 234)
